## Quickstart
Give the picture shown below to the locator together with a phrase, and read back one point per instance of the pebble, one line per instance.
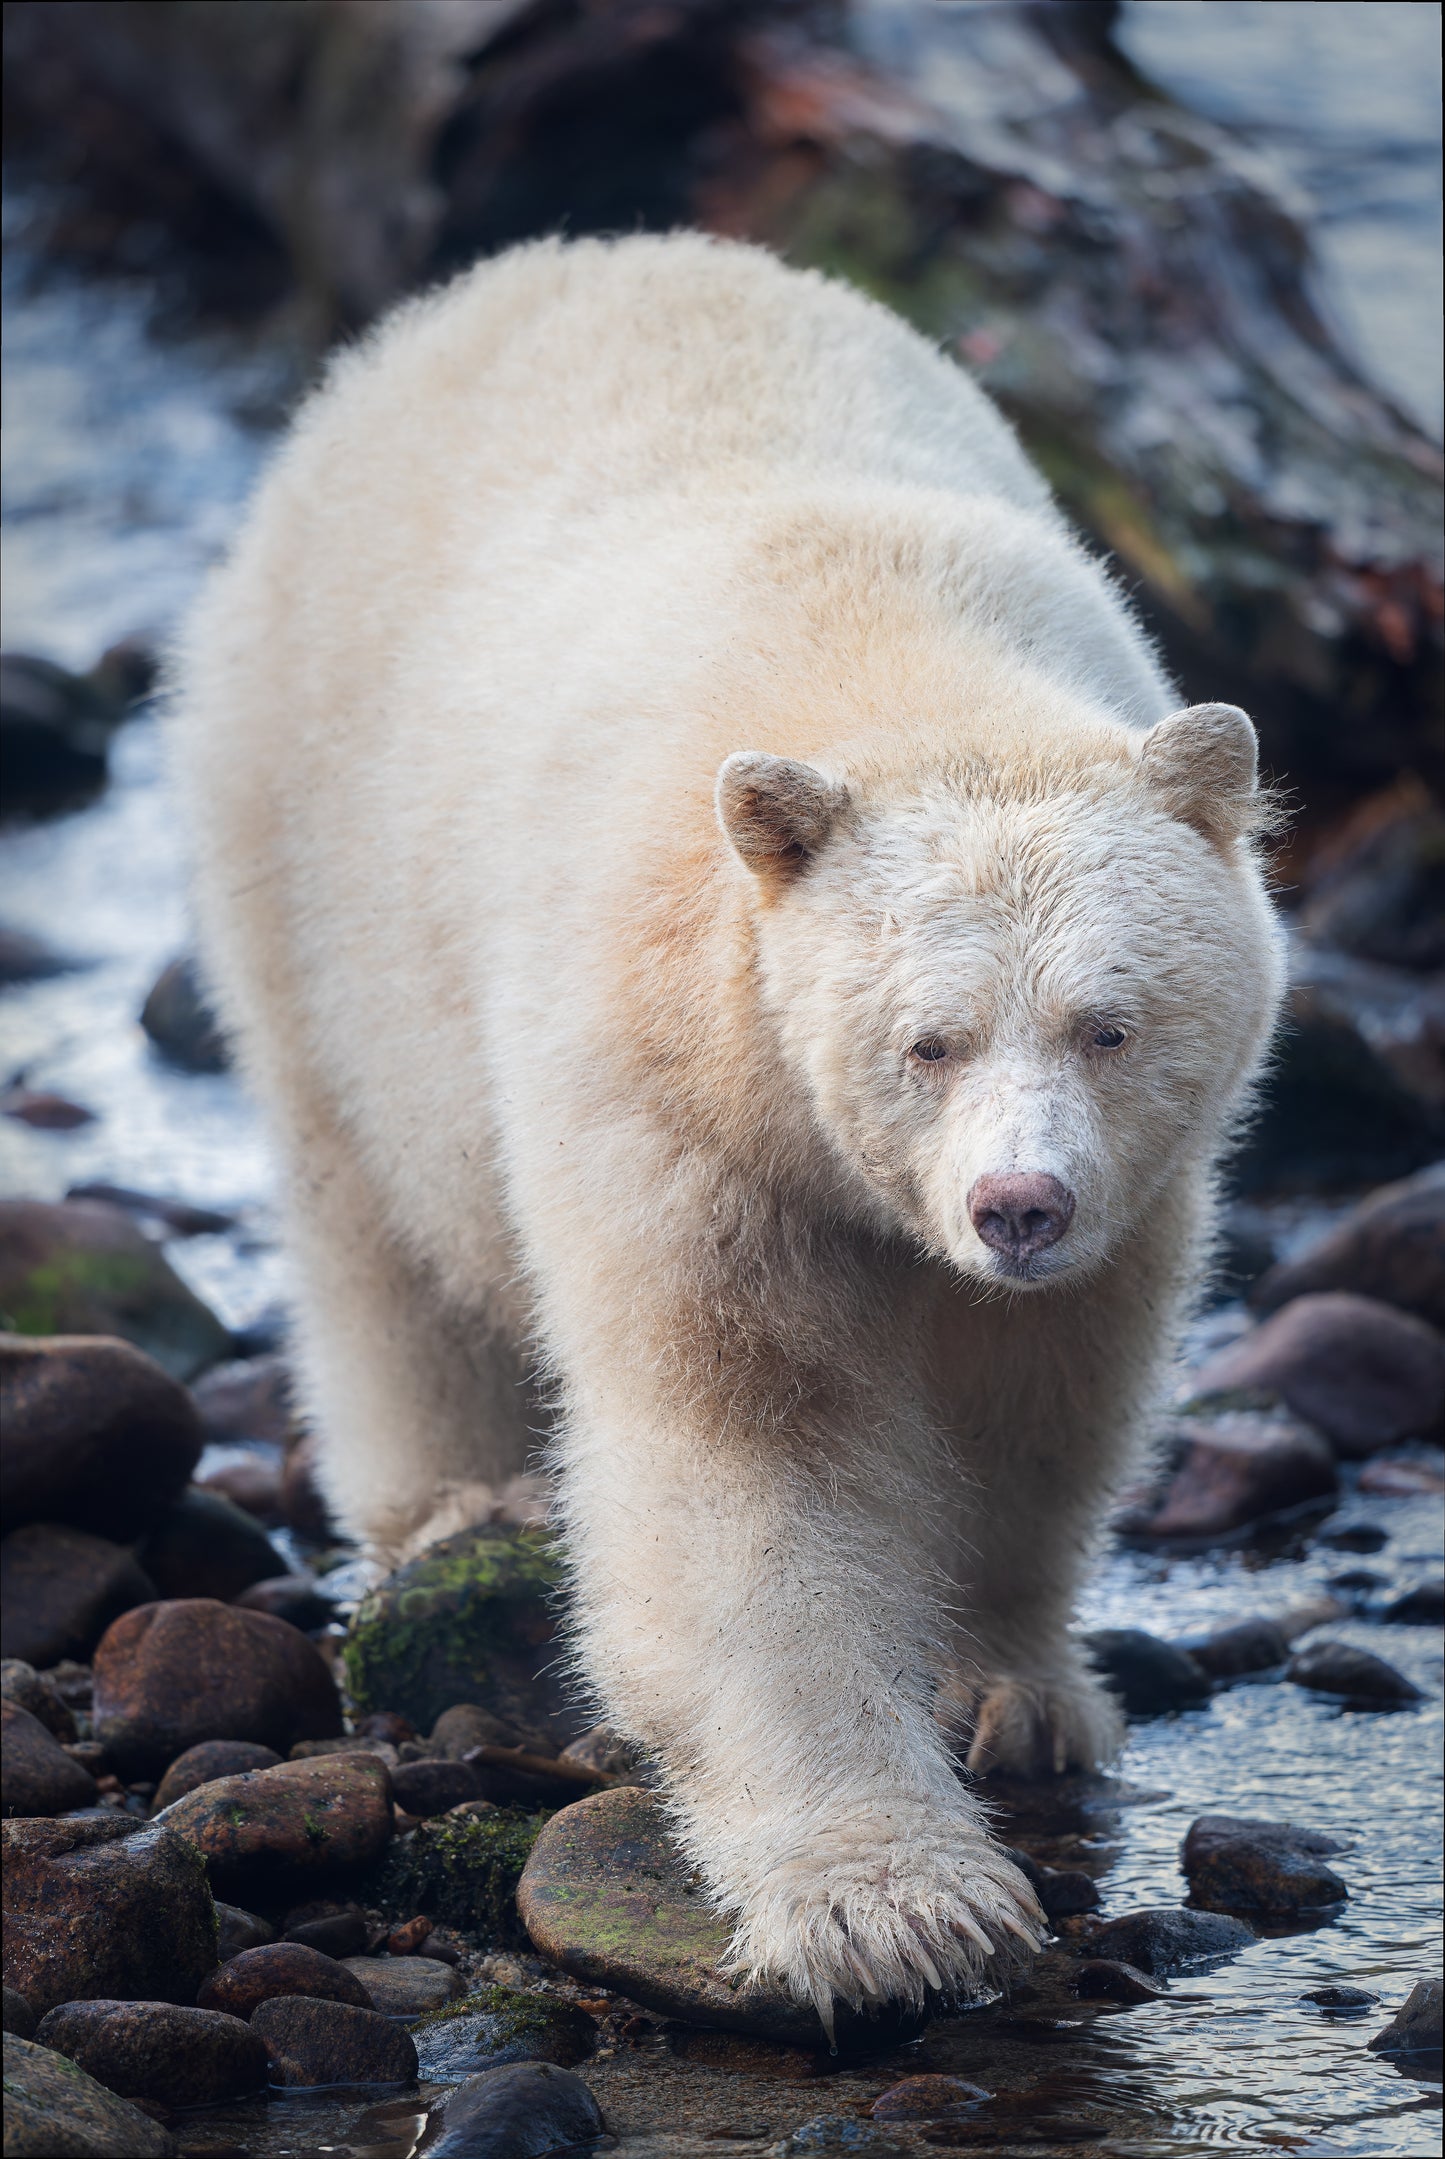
(1348, 2000)
(472, 1619)
(79, 1267)
(19, 2016)
(407, 1986)
(1165, 1939)
(1422, 1606)
(426, 1788)
(1359, 1679)
(342, 1931)
(247, 1398)
(213, 1758)
(61, 1588)
(1391, 1246)
(498, 2025)
(43, 1111)
(240, 1930)
(1234, 1470)
(1385, 1478)
(311, 2042)
(1415, 2027)
(606, 1895)
(170, 1675)
(104, 1908)
(22, 1684)
(275, 1968)
(1354, 1537)
(1109, 1979)
(928, 2099)
(206, 1546)
(1250, 1645)
(176, 1217)
(1063, 1892)
(154, 2050)
(37, 1776)
(181, 1023)
(96, 1435)
(467, 1725)
(269, 1827)
(52, 2107)
(1361, 1372)
(1236, 1864)
(515, 2112)
(1149, 1676)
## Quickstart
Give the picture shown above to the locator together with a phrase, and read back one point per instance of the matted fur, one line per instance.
(574, 1071)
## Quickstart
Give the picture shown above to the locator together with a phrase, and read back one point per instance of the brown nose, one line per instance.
(1021, 1215)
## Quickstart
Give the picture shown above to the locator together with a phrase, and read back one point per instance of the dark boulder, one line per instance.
(521, 2111)
(53, 2110)
(92, 1433)
(60, 1589)
(204, 1545)
(1392, 1247)
(180, 1022)
(37, 1776)
(1235, 1864)
(155, 2051)
(1150, 1677)
(76, 1267)
(1361, 1372)
(312, 2042)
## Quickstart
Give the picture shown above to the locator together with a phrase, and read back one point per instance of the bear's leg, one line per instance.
(421, 1406)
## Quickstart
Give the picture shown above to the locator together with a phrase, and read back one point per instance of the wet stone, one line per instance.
(154, 2050)
(206, 1546)
(79, 1267)
(310, 2042)
(171, 1675)
(263, 1830)
(606, 1895)
(1063, 1892)
(1236, 1864)
(22, 1684)
(240, 1930)
(338, 1933)
(19, 2017)
(407, 1987)
(1361, 1372)
(1234, 1470)
(516, 2111)
(1354, 1537)
(426, 1788)
(53, 2107)
(299, 1599)
(1392, 1247)
(463, 1869)
(1422, 1606)
(61, 1588)
(928, 2099)
(1250, 1645)
(1149, 1676)
(180, 1022)
(1353, 1676)
(1109, 1979)
(1341, 2001)
(276, 1968)
(36, 1775)
(498, 2025)
(213, 1758)
(104, 1909)
(1165, 1939)
(96, 1435)
(1415, 2028)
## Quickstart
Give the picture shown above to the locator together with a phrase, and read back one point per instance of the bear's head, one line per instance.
(1021, 991)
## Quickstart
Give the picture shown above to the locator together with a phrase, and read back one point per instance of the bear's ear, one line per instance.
(1204, 763)
(776, 812)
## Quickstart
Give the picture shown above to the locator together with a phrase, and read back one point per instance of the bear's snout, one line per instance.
(1019, 1216)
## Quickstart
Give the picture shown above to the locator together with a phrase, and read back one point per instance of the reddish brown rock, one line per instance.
(37, 1776)
(1235, 1864)
(260, 1975)
(1361, 1372)
(1354, 1675)
(407, 1986)
(95, 1435)
(1235, 1470)
(61, 1588)
(104, 1909)
(171, 1675)
(21, 1683)
(1392, 1247)
(204, 1764)
(261, 1831)
(426, 1788)
(322, 2042)
(248, 1398)
(154, 2051)
(1407, 1479)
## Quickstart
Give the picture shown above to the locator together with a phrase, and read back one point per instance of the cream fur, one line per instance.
(564, 1081)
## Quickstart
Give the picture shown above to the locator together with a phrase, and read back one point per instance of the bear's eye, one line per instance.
(1107, 1038)
(929, 1050)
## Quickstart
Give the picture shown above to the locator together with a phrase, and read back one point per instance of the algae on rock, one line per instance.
(463, 1869)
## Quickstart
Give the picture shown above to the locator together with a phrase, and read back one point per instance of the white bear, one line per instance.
(736, 944)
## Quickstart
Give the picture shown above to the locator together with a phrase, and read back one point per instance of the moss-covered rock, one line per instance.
(81, 1267)
(499, 2025)
(463, 1869)
(471, 1620)
(52, 2106)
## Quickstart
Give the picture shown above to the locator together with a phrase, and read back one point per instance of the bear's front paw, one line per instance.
(1038, 1727)
(885, 1911)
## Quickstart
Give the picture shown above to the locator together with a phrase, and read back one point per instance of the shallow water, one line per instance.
(124, 460)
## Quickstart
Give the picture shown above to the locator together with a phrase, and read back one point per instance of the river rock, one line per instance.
(264, 1829)
(172, 1217)
(518, 2111)
(499, 2025)
(153, 2050)
(1166, 1938)
(206, 1546)
(467, 1725)
(1149, 1676)
(1358, 1678)
(1361, 1372)
(180, 1022)
(61, 1588)
(299, 1599)
(56, 728)
(27, 958)
(22, 1684)
(1392, 1247)
(275, 1968)
(44, 1111)
(53, 2110)
(171, 1675)
(1341, 2001)
(425, 1788)
(1235, 1864)
(204, 1764)
(1109, 1979)
(1422, 1606)
(463, 1869)
(407, 1987)
(37, 1776)
(312, 2042)
(1390, 1477)
(248, 1398)
(1250, 1645)
(79, 1267)
(1234, 1470)
(104, 1908)
(472, 1619)
(1063, 1892)
(239, 1931)
(19, 2017)
(95, 1435)
(337, 1930)
(1415, 2028)
(251, 1476)
(606, 1895)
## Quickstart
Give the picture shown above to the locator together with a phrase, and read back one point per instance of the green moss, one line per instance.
(521, 2014)
(463, 1870)
(44, 1299)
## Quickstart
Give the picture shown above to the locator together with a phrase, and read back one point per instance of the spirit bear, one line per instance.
(743, 961)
